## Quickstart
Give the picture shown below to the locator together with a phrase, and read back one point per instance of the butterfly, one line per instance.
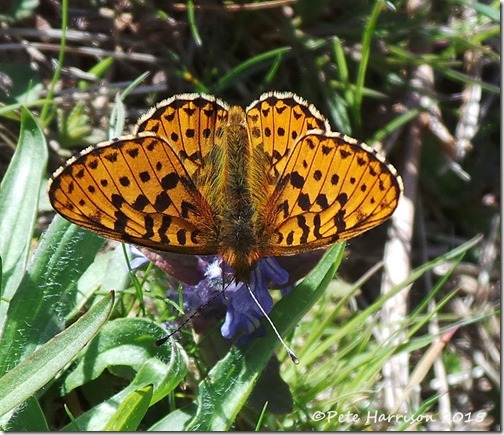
(201, 177)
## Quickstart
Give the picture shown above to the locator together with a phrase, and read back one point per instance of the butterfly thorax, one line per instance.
(233, 199)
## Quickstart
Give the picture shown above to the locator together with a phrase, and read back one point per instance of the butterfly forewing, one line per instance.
(191, 123)
(333, 188)
(135, 189)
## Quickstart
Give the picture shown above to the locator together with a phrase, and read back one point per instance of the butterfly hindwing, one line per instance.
(332, 188)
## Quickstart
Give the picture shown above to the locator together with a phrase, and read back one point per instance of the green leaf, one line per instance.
(39, 368)
(130, 413)
(123, 346)
(108, 271)
(99, 70)
(47, 292)
(234, 377)
(118, 114)
(177, 420)
(192, 23)
(493, 13)
(28, 418)
(364, 61)
(248, 67)
(19, 193)
(163, 376)
(74, 127)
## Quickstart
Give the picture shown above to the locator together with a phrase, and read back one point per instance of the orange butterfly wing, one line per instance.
(332, 188)
(141, 189)
(191, 123)
(274, 123)
(157, 188)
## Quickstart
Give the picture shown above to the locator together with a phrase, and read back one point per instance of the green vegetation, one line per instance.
(419, 82)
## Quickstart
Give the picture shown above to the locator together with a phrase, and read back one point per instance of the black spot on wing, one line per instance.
(304, 202)
(149, 227)
(144, 176)
(297, 180)
(140, 202)
(301, 221)
(170, 181)
(162, 202)
(181, 237)
(163, 228)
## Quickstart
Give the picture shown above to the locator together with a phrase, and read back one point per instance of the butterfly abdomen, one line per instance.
(239, 244)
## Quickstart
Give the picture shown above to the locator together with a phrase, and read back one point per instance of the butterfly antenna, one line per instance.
(292, 355)
(163, 340)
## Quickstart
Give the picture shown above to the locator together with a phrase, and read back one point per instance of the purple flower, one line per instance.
(243, 313)
(207, 279)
